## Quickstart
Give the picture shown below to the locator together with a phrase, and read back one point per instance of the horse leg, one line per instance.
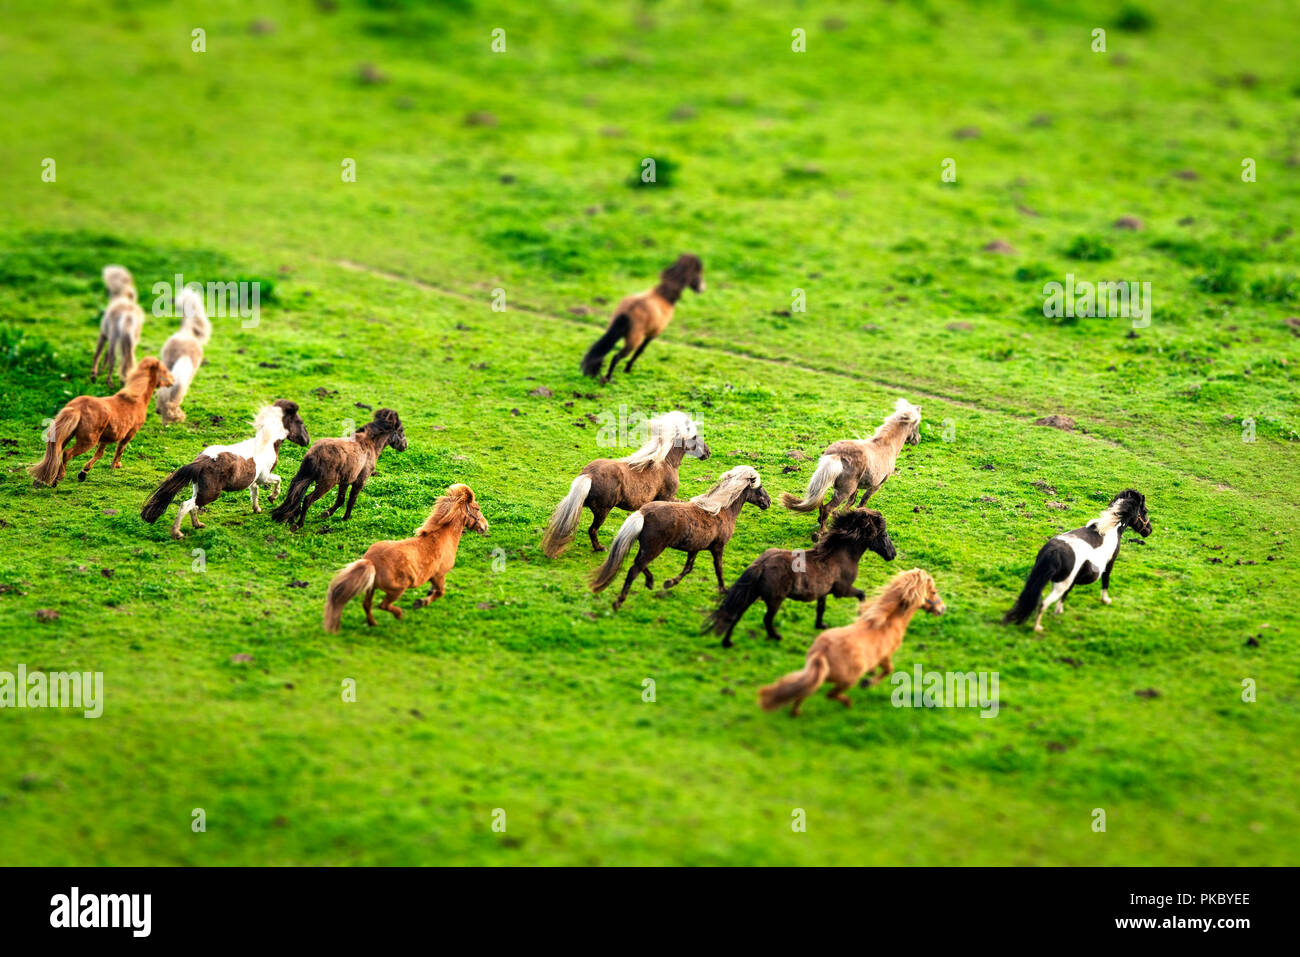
(352, 499)
(884, 670)
(717, 568)
(79, 447)
(636, 355)
(837, 694)
(769, 619)
(311, 500)
(1058, 591)
(252, 497)
(128, 356)
(437, 589)
(640, 565)
(1105, 579)
(85, 469)
(1060, 605)
(690, 563)
(273, 480)
(387, 603)
(338, 502)
(617, 358)
(366, 603)
(186, 508)
(117, 454)
(821, 613)
(597, 520)
(99, 348)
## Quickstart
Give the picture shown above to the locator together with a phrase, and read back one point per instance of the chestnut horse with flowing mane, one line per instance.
(843, 655)
(704, 524)
(394, 566)
(853, 465)
(92, 420)
(647, 475)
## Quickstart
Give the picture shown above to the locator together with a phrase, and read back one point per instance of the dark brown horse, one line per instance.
(92, 421)
(639, 319)
(705, 523)
(829, 568)
(343, 462)
(648, 475)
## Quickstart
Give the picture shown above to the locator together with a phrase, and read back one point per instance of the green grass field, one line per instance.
(819, 171)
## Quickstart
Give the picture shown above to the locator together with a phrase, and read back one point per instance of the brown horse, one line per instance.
(648, 475)
(92, 420)
(853, 465)
(342, 462)
(843, 655)
(829, 568)
(640, 319)
(395, 566)
(705, 523)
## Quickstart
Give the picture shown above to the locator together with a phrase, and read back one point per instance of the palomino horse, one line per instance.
(182, 353)
(342, 462)
(230, 468)
(119, 333)
(705, 523)
(95, 421)
(829, 568)
(853, 465)
(843, 655)
(394, 566)
(639, 319)
(647, 475)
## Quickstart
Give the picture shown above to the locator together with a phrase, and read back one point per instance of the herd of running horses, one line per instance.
(644, 484)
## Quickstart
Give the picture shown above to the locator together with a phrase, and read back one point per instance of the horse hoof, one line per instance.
(177, 535)
(81, 476)
(1038, 628)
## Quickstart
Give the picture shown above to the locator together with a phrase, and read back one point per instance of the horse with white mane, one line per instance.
(647, 475)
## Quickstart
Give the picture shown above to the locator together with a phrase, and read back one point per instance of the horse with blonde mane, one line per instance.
(394, 566)
(705, 523)
(853, 465)
(182, 354)
(844, 655)
(93, 420)
(647, 475)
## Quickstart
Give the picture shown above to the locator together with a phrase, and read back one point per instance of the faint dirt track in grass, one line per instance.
(905, 386)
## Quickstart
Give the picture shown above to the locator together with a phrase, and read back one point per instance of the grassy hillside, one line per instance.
(819, 172)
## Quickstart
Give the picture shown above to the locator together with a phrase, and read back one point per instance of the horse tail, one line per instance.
(743, 592)
(797, 685)
(46, 471)
(297, 491)
(163, 495)
(1053, 563)
(559, 532)
(168, 399)
(617, 330)
(618, 549)
(829, 468)
(347, 584)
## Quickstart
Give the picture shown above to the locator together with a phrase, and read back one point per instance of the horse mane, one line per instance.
(906, 590)
(730, 487)
(194, 317)
(905, 415)
(445, 509)
(847, 530)
(136, 386)
(270, 418)
(665, 432)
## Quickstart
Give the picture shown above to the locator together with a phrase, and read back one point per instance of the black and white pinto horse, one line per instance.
(1080, 557)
